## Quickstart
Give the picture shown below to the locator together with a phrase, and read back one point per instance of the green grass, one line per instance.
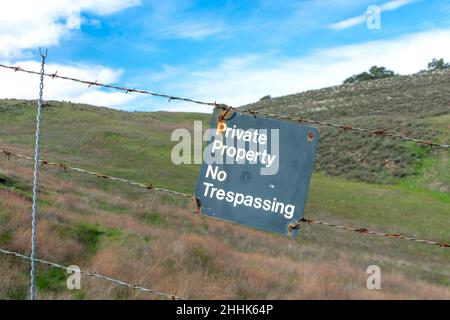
(155, 218)
(89, 235)
(137, 146)
(200, 258)
(5, 236)
(383, 206)
(51, 279)
(16, 186)
(413, 106)
(17, 293)
(433, 170)
(100, 140)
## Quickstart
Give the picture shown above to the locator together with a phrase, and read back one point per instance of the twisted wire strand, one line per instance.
(36, 182)
(94, 275)
(298, 225)
(109, 86)
(379, 133)
(190, 196)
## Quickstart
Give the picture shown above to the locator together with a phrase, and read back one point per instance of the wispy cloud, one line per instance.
(23, 86)
(28, 24)
(394, 5)
(348, 23)
(192, 30)
(354, 21)
(244, 79)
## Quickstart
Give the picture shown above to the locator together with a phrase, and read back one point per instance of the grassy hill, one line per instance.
(416, 106)
(153, 239)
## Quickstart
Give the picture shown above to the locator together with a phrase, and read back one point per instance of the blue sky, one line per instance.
(228, 51)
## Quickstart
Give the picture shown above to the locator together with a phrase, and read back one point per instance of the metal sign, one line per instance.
(256, 171)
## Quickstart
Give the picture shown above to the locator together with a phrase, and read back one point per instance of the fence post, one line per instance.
(36, 180)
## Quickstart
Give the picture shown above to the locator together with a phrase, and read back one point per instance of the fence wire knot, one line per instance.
(7, 154)
(380, 133)
(252, 112)
(62, 165)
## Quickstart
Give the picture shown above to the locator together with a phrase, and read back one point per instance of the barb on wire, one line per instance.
(298, 225)
(199, 205)
(254, 113)
(95, 275)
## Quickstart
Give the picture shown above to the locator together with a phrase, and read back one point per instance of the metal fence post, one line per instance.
(36, 181)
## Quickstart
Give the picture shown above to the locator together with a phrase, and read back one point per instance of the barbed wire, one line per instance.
(96, 174)
(98, 84)
(226, 109)
(95, 275)
(377, 132)
(293, 227)
(298, 225)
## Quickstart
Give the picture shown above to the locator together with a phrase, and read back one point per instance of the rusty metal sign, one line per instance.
(256, 171)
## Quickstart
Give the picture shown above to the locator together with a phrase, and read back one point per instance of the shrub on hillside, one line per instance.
(374, 73)
(438, 64)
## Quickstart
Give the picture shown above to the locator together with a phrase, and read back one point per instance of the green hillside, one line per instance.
(154, 239)
(416, 106)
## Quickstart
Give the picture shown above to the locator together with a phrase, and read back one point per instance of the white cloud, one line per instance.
(243, 80)
(395, 4)
(354, 21)
(348, 23)
(25, 86)
(28, 23)
(192, 30)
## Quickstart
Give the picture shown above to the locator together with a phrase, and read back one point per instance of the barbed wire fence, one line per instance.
(94, 275)
(222, 106)
(373, 132)
(293, 227)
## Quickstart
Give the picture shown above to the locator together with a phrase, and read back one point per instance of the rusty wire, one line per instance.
(66, 168)
(298, 225)
(94, 275)
(378, 133)
(98, 84)
(375, 132)
(295, 226)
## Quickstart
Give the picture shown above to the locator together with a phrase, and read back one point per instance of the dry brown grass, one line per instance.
(193, 256)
